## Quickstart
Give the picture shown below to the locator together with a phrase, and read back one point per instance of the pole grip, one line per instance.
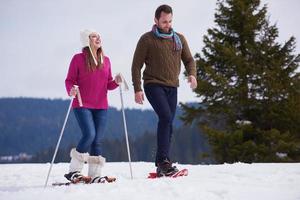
(78, 95)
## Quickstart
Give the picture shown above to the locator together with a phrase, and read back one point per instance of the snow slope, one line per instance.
(208, 182)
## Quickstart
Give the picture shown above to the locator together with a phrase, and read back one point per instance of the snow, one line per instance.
(208, 182)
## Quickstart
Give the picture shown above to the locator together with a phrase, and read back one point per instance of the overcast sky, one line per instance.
(39, 38)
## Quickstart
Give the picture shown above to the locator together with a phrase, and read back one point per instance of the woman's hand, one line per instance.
(73, 92)
(118, 79)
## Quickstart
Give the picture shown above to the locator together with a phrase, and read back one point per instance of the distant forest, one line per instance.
(32, 126)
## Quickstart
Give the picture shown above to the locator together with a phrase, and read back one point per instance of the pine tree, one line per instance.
(249, 87)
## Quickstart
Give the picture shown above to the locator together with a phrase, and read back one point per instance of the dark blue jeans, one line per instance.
(92, 123)
(163, 99)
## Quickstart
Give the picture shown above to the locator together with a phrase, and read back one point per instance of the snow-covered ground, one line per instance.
(208, 182)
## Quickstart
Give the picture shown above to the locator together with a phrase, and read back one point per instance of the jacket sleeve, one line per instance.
(111, 84)
(187, 58)
(138, 62)
(72, 75)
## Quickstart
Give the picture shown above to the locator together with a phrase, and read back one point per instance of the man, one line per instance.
(162, 50)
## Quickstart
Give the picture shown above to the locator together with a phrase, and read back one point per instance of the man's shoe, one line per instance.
(165, 168)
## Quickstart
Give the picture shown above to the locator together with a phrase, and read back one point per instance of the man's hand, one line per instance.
(139, 97)
(193, 81)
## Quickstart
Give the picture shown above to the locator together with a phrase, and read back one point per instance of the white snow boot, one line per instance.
(76, 166)
(95, 167)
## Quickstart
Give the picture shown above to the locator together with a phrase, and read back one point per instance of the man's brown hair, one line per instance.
(163, 8)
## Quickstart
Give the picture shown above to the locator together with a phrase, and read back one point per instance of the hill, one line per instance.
(32, 126)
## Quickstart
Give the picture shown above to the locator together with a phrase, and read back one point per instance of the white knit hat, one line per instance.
(84, 36)
(85, 40)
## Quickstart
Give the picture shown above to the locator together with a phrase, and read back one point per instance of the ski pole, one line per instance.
(124, 122)
(63, 128)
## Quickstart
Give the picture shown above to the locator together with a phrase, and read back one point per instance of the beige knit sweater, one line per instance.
(161, 60)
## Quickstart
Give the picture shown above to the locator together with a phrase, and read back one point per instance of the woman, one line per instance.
(91, 71)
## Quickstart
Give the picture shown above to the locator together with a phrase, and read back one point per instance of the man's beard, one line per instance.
(166, 30)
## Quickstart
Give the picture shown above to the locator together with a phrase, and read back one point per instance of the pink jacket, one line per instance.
(93, 86)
